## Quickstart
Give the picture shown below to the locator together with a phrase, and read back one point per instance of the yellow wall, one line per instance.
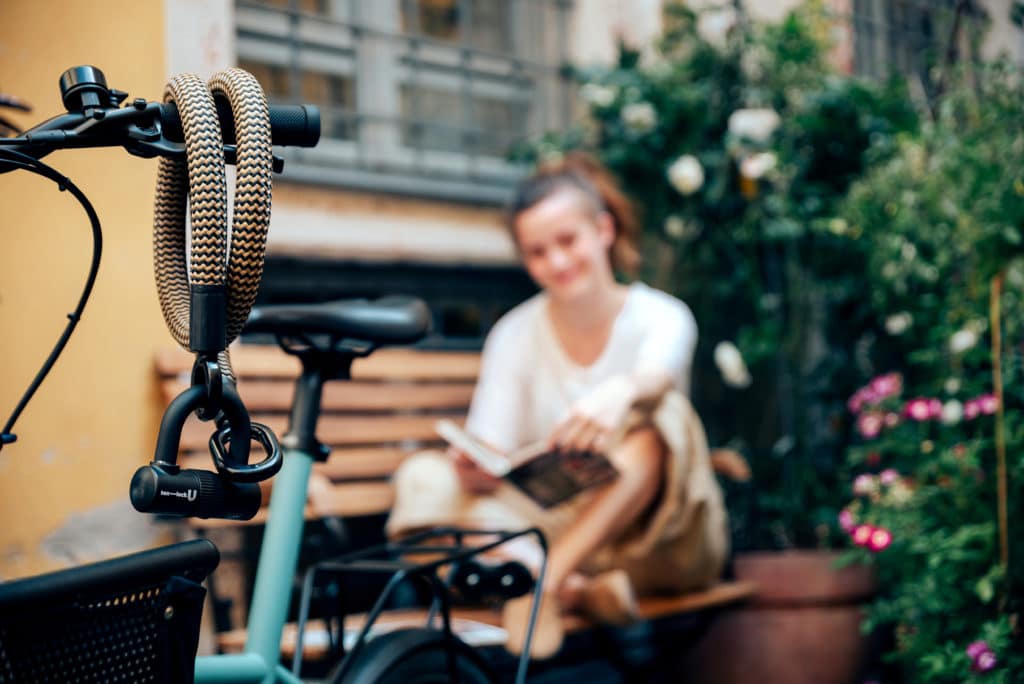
(94, 419)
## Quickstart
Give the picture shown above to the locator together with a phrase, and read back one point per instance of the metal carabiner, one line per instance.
(220, 441)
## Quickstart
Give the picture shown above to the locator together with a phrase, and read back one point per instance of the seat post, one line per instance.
(317, 368)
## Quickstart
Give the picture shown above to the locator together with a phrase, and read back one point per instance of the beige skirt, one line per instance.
(680, 544)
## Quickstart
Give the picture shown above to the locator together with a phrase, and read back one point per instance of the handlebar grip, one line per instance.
(295, 125)
(193, 493)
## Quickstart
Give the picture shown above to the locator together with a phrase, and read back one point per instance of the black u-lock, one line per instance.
(232, 492)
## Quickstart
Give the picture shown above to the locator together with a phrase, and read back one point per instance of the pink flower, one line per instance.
(880, 539)
(885, 386)
(863, 396)
(918, 409)
(987, 404)
(846, 521)
(934, 408)
(976, 648)
(869, 424)
(972, 409)
(984, 662)
(861, 535)
(982, 657)
(892, 419)
(889, 476)
(864, 484)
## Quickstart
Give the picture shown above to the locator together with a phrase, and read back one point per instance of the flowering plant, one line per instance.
(939, 455)
(920, 511)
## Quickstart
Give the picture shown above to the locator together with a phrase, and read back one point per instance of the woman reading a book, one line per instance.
(586, 365)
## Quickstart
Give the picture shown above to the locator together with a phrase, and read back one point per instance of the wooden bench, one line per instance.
(385, 413)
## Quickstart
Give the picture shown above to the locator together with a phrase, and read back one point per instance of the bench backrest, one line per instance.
(386, 412)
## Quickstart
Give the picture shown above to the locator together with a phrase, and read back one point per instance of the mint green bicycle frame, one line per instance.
(279, 554)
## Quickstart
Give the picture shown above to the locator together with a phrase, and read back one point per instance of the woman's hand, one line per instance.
(473, 478)
(596, 416)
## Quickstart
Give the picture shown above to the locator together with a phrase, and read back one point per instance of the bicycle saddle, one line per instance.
(389, 320)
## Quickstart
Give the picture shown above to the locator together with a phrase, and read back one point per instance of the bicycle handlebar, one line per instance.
(296, 125)
(146, 129)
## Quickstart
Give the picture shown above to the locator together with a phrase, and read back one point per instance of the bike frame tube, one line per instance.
(272, 594)
(241, 668)
(279, 556)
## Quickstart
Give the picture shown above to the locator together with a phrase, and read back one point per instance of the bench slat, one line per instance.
(276, 395)
(264, 361)
(335, 430)
(367, 463)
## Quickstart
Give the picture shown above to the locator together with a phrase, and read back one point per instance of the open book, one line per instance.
(547, 476)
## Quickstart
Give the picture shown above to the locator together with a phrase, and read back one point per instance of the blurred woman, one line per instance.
(588, 364)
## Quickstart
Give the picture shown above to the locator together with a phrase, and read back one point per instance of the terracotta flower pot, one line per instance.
(803, 626)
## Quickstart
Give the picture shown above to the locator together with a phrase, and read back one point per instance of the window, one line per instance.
(911, 37)
(421, 97)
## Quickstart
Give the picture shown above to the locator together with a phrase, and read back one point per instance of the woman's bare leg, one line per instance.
(640, 458)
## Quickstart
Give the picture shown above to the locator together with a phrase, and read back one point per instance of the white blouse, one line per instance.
(528, 384)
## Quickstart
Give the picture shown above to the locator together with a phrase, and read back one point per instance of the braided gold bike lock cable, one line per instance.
(198, 185)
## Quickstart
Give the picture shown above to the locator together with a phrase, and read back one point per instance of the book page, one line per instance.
(485, 457)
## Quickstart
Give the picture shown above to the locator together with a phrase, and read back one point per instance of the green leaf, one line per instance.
(985, 589)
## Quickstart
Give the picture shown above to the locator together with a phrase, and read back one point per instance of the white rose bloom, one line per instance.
(756, 165)
(952, 412)
(952, 385)
(962, 340)
(639, 117)
(838, 226)
(908, 251)
(754, 124)
(598, 95)
(898, 323)
(675, 227)
(713, 26)
(686, 174)
(731, 365)
(681, 229)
